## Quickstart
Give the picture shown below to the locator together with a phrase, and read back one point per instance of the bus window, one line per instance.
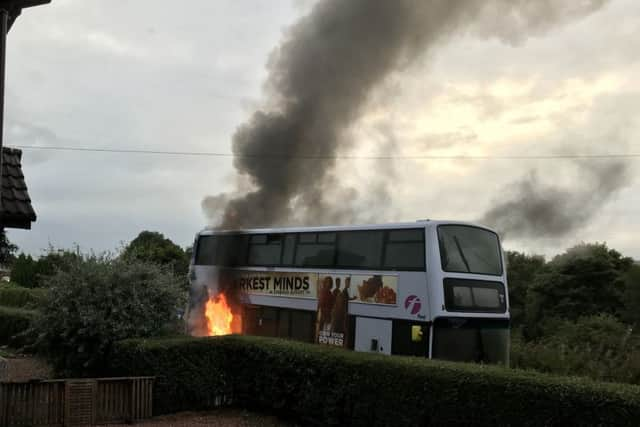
(265, 249)
(409, 235)
(289, 249)
(326, 237)
(404, 250)
(360, 249)
(302, 325)
(250, 316)
(466, 249)
(315, 250)
(225, 253)
(268, 322)
(206, 250)
(284, 320)
(227, 250)
(474, 296)
(240, 250)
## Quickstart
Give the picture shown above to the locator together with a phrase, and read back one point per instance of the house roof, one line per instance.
(15, 205)
(14, 7)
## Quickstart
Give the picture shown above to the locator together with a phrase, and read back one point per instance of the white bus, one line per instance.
(435, 289)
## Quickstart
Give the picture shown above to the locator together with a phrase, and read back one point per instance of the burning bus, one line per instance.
(434, 289)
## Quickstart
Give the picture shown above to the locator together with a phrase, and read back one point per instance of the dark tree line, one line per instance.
(149, 247)
(586, 280)
(576, 314)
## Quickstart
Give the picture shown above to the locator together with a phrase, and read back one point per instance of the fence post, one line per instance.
(131, 401)
(4, 403)
(4, 369)
(94, 401)
(67, 410)
(79, 400)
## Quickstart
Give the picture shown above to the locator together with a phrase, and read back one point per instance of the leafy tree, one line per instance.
(188, 251)
(521, 272)
(55, 260)
(7, 249)
(31, 273)
(586, 280)
(25, 271)
(98, 301)
(632, 296)
(153, 247)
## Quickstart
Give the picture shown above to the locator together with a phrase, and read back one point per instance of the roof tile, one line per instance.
(16, 210)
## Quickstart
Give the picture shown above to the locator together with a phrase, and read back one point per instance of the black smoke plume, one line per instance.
(531, 209)
(320, 79)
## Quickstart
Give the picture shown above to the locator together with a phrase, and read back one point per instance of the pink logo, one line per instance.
(413, 304)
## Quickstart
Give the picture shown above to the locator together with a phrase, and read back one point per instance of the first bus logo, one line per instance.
(413, 304)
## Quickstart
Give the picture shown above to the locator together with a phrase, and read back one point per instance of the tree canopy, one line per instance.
(154, 247)
(632, 295)
(586, 280)
(521, 271)
(7, 249)
(33, 273)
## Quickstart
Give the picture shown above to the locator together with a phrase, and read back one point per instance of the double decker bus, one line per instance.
(435, 289)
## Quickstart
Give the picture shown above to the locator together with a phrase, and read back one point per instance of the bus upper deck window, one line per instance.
(206, 250)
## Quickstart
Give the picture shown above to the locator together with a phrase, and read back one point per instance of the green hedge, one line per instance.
(319, 385)
(12, 322)
(15, 296)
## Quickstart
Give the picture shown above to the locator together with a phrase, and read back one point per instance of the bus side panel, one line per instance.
(411, 300)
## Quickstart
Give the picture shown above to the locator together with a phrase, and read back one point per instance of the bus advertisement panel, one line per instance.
(280, 284)
(332, 291)
(334, 295)
(369, 289)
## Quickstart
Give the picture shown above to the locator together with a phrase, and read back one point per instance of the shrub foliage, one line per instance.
(98, 301)
(600, 347)
(13, 321)
(16, 296)
(319, 385)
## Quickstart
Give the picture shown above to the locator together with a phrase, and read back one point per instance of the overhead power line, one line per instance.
(340, 157)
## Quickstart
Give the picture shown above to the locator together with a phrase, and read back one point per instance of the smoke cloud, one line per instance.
(320, 79)
(534, 210)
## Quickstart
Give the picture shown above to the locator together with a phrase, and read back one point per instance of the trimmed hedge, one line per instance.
(16, 296)
(319, 385)
(13, 321)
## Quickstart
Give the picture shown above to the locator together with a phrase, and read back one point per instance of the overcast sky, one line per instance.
(149, 75)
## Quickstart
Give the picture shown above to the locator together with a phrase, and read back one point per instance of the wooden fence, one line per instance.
(75, 402)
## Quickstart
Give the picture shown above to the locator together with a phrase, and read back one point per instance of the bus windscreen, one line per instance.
(466, 249)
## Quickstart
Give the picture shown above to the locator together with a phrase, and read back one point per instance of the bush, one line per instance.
(97, 301)
(16, 296)
(320, 385)
(14, 321)
(600, 347)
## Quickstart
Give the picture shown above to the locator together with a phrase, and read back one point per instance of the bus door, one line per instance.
(373, 335)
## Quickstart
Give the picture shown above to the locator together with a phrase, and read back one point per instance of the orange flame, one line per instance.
(219, 316)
